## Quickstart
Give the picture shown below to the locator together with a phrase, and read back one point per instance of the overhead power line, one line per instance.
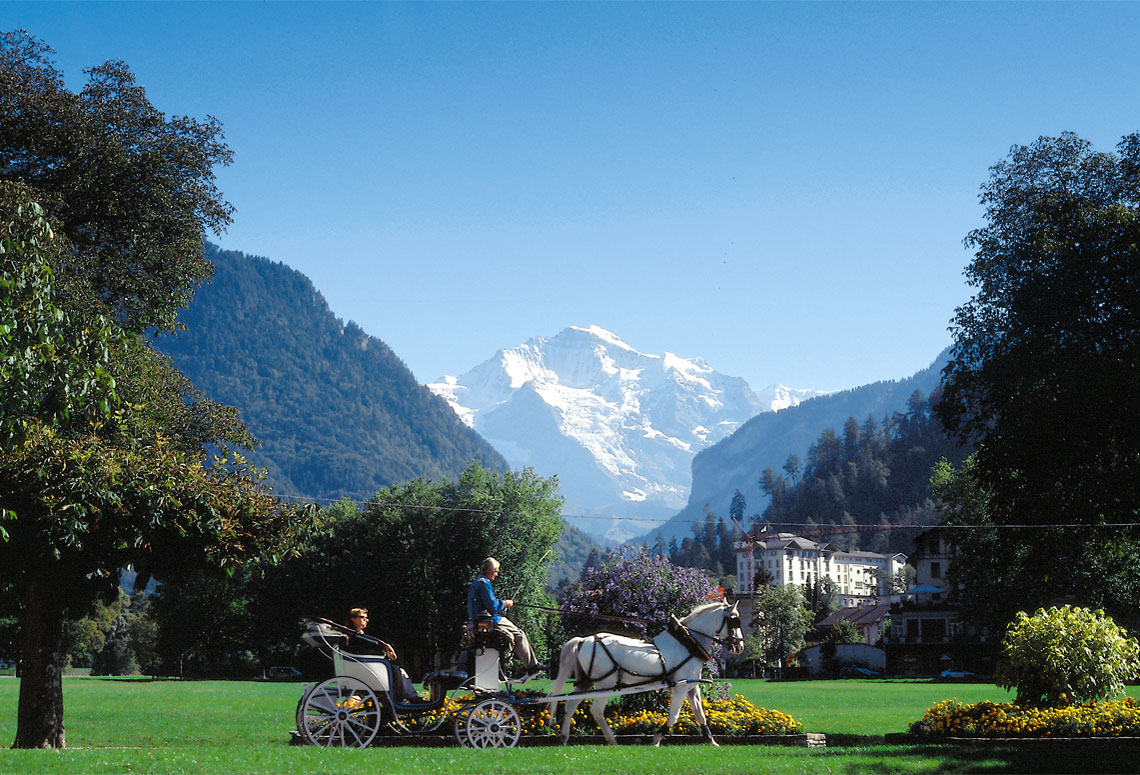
(782, 526)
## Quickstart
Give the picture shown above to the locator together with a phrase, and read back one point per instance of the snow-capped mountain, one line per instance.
(619, 427)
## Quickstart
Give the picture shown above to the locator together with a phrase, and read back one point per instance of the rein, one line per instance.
(730, 620)
(603, 617)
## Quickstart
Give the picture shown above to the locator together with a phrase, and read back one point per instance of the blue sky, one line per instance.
(779, 188)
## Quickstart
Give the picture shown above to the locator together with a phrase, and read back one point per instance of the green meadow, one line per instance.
(141, 726)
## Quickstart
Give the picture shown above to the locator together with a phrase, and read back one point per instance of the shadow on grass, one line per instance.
(1076, 756)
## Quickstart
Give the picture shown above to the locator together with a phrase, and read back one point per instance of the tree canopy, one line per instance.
(781, 620)
(132, 188)
(876, 472)
(103, 206)
(1045, 376)
(1045, 366)
(409, 554)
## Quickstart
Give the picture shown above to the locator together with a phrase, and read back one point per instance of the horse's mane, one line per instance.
(702, 609)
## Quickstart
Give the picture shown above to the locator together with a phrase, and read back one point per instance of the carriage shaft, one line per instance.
(607, 693)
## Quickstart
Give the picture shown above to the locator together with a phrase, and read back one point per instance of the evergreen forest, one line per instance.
(336, 412)
(873, 473)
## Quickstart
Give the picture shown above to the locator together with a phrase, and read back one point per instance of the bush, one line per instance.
(635, 584)
(1063, 656)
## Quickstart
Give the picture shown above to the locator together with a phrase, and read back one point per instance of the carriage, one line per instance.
(361, 700)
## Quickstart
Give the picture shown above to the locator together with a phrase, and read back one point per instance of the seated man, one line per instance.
(402, 689)
(481, 601)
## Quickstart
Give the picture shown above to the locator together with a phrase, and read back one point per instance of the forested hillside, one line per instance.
(337, 413)
(734, 465)
(874, 472)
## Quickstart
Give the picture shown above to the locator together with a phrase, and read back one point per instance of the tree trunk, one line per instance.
(40, 717)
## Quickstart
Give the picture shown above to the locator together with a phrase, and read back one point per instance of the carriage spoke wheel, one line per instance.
(490, 724)
(341, 712)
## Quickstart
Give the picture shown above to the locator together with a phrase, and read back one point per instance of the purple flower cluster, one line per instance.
(634, 583)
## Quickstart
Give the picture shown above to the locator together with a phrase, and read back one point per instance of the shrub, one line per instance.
(634, 584)
(1063, 656)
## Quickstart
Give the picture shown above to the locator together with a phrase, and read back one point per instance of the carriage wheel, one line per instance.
(489, 724)
(341, 712)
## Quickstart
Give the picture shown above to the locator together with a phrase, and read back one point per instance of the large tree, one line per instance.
(103, 207)
(1045, 373)
(133, 188)
(781, 619)
(409, 555)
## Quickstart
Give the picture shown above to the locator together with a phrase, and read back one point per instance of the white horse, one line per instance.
(674, 656)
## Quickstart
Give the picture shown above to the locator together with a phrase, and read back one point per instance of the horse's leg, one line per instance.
(676, 699)
(564, 732)
(699, 714)
(598, 711)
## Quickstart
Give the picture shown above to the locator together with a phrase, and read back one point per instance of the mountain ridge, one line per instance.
(618, 426)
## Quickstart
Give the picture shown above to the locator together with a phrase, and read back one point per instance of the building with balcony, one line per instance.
(926, 635)
(860, 578)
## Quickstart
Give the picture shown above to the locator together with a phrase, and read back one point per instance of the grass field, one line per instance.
(119, 726)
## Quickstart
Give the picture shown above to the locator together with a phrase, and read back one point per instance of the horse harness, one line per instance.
(681, 633)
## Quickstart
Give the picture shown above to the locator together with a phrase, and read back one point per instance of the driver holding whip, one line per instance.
(481, 602)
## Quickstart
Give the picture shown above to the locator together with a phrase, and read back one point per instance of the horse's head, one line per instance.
(720, 622)
(734, 635)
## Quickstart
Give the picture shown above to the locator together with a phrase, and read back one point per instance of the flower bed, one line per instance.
(638, 715)
(645, 715)
(950, 718)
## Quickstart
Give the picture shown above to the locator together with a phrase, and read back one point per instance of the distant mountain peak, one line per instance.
(618, 426)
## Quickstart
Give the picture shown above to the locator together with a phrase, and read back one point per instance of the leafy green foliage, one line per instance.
(86, 491)
(408, 556)
(336, 411)
(845, 633)
(1067, 655)
(874, 473)
(781, 620)
(53, 363)
(1045, 375)
(711, 547)
(132, 188)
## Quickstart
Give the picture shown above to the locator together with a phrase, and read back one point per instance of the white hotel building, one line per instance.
(859, 577)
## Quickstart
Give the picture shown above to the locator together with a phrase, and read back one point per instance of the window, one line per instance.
(934, 629)
(935, 570)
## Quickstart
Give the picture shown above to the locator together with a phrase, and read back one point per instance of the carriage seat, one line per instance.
(447, 679)
(483, 633)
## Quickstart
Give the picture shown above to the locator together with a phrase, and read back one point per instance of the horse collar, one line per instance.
(682, 633)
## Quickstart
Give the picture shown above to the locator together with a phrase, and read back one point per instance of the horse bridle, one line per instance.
(732, 620)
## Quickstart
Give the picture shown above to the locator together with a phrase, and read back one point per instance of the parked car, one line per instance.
(956, 674)
(855, 671)
(283, 673)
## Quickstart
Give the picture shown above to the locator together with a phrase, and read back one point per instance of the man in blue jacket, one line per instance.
(481, 601)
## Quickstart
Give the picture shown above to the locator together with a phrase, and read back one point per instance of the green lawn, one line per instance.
(116, 726)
